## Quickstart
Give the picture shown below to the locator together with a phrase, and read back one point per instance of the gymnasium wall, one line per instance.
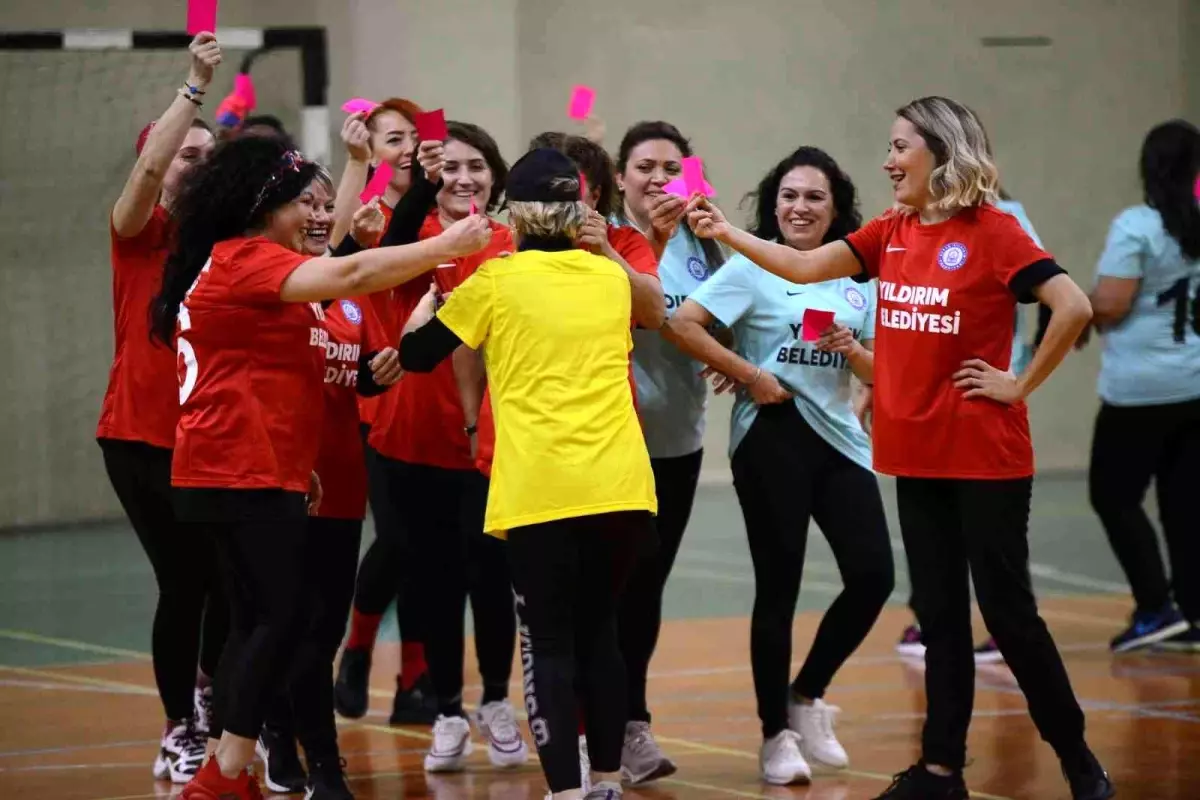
(748, 81)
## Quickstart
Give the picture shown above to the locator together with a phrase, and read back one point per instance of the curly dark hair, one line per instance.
(592, 160)
(648, 131)
(232, 193)
(482, 141)
(1170, 164)
(846, 217)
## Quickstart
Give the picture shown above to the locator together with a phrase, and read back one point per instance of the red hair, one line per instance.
(404, 107)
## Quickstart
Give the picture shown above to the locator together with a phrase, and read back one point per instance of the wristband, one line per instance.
(757, 375)
(186, 95)
(193, 89)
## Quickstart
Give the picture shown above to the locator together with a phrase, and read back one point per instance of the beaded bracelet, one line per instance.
(187, 96)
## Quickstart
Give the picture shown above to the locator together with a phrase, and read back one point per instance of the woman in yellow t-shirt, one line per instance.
(572, 488)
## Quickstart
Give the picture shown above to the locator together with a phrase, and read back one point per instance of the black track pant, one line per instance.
(191, 620)
(785, 474)
(305, 709)
(568, 575)
(442, 516)
(260, 536)
(1131, 446)
(955, 531)
(639, 616)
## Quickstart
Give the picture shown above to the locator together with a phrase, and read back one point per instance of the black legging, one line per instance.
(568, 575)
(191, 619)
(305, 709)
(1133, 444)
(260, 538)
(956, 531)
(639, 616)
(443, 523)
(784, 472)
(385, 573)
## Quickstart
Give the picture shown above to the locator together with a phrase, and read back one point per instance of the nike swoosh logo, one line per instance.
(793, 294)
(891, 249)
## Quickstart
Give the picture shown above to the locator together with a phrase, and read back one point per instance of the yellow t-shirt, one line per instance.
(554, 327)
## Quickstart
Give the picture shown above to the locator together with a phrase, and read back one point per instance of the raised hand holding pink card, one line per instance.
(201, 16)
(815, 323)
(379, 182)
(359, 105)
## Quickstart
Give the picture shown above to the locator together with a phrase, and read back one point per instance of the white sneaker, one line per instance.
(202, 701)
(585, 765)
(605, 790)
(780, 761)
(814, 723)
(498, 723)
(451, 745)
(642, 760)
(180, 754)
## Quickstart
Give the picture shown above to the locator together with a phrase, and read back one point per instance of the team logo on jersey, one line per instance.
(855, 298)
(352, 311)
(952, 256)
(697, 268)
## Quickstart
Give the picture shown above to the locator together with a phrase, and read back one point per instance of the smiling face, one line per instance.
(394, 140)
(909, 164)
(196, 147)
(804, 207)
(466, 176)
(288, 224)
(650, 166)
(320, 220)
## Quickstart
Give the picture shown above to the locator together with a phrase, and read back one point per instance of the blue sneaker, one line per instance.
(1186, 642)
(1149, 627)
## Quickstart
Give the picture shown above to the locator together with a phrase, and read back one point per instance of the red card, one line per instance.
(201, 16)
(431, 126)
(444, 276)
(378, 183)
(815, 323)
(582, 99)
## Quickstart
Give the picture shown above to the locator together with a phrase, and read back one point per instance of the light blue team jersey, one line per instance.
(765, 313)
(672, 397)
(1153, 355)
(1022, 349)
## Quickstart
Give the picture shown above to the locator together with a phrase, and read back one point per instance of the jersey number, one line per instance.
(1179, 293)
(186, 363)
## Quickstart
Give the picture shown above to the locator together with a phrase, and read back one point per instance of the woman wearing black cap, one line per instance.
(560, 390)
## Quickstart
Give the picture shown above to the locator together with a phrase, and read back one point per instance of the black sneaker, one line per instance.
(918, 783)
(1149, 627)
(328, 781)
(1088, 779)
(350, 690)
(416, 705)
(283, 772)
(1186, 642)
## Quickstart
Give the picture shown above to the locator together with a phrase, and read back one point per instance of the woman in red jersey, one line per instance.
(950, 420)
(137, 424)
(426, 445)
(385, 135)
(242, 302)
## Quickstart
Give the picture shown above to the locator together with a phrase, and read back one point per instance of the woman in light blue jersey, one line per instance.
(671, 400)
(798, 451)
(1147, 305)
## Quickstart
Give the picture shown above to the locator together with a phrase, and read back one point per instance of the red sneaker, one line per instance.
(210, 784)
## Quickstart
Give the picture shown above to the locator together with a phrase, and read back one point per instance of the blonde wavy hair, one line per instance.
(964, 175)
(547, 219)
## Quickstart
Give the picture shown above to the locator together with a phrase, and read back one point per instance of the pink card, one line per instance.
(474, 208)
(815, 323)
(583, 187)
(201, 16)
(378, 183)
(679, 188)
(243, 87)
(1196, 188)
(693, 174)
(431, 126)
(582, 99)
(359, 105)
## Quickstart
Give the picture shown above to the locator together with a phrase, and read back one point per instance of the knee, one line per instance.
(872, 582)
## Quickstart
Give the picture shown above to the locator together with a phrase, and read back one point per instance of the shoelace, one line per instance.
(825, 718)
(503, 725)
(643, 742)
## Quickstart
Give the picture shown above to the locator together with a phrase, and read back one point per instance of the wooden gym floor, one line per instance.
(80, 720)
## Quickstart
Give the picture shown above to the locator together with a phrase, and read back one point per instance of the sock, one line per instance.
(451, 708)
(363, 628)
(412, 664)
(494, 693)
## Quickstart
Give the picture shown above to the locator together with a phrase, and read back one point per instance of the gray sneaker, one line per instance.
(642, 760)
(605, 790)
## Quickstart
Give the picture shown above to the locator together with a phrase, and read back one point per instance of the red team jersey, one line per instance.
(251, 374)
(630, 245)
(420, 419)
(142, 401)
(944, 297)
(354, 331)
(384, 305)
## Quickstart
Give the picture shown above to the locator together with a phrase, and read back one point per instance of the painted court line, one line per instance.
(61, 687)
(72, 644)
(42, 751)
(129, 688)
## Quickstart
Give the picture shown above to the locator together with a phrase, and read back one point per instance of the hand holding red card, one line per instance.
(201, 16)
(431, 126)
(815, 323)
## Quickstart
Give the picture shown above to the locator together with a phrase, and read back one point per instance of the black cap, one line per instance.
(543, 175)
